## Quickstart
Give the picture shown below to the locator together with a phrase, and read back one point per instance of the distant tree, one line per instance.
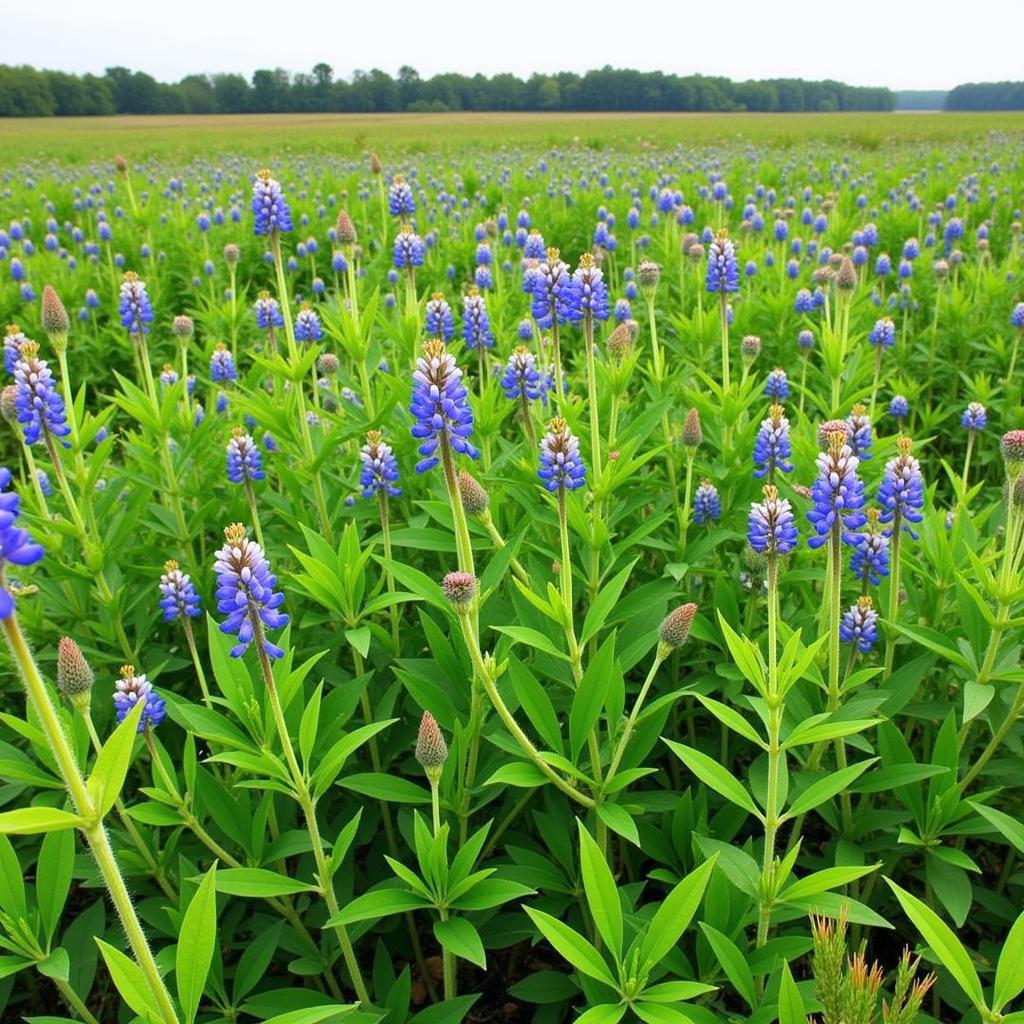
(409, 85)
(270, 91)
(197, 93)
(24, 92)
(232, 93)
(549, 95)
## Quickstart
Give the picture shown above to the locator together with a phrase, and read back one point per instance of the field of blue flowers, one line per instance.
(545, 584)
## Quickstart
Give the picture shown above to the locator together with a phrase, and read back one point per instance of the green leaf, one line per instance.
(341, 750)
(1010, 969)
(359, 639)
(826, 788)
(712, 774)
(458, 936)
(732, 962)
(532, 638)
(603, 604)
(392, 788)
(53, 877)
(309, 724)
(659, 1013)
(196, 945)
(111, 766)
(28, 821)
(824, 880)
(450, 1011)
(676, 991)
(57, 965)
(129, 981)
(606, 1013)
(258, 882)
(522, 774)
(944, 944)
(935, 641)
(675, 913)
(544, 988)
(745, 654)
(572, 946)
(620, 821)
(590, 695)
(791, 1004)
(376, 904)
(731, 718)
(12, 964)
(312, 1015)
(1010, 828)
(602, 893)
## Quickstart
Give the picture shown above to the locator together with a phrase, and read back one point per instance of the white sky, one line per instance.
(905, 44)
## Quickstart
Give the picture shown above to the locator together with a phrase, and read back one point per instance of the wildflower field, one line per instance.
(512, 569)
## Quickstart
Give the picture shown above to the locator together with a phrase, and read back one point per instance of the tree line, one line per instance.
(28, 92)
(986, 96)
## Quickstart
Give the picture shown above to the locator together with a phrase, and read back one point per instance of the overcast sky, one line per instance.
(905, 44)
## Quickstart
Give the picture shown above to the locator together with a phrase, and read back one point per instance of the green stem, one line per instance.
(154, 868)
(448, 963)
(250, 497)
(486, 677)
(196, 660)
(627, 731)
(894, 595)
(308, 805)
(307, 440)
(499, 543)
(776, 758)
(92, 826)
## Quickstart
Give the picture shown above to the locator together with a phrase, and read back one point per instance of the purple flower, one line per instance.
(14, 338)
(409, 250)
(975, 417)
(772, 449)
(859, 432)
(380, 468)
(131, 690)
(439, 321)
(587, 293)
(870, 558)
(771, 529)
(439, 406)
(133, 305)
(244, 461)
(551, 287)
(268, 312)
(776, 386)
(245, 591)
(401, 202)
(16, 546)
(36, 400)
(838, 493)
(269, 206)
(476, 325)
(860, 625)
(222, 365)
(901, 492)
(883, 334)
(722, 273)
(307, 324)
(521, 376)
(177, 594)
(707, 505)
(561, 465)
